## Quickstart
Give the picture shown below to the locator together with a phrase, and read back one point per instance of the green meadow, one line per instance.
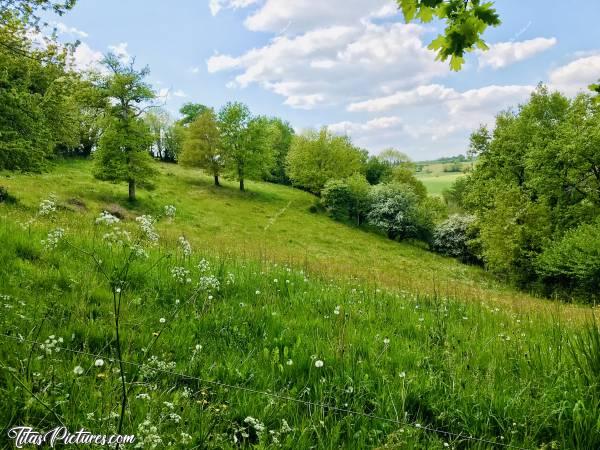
(246, 320)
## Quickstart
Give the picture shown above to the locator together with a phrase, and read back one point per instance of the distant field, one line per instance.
(437, 183)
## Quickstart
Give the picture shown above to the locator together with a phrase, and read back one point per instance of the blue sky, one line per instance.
(352, 65)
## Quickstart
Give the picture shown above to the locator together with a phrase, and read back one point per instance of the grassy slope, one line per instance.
(273, 222)
(497, 373)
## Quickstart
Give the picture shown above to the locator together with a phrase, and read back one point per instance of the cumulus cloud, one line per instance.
(120, 51)
(61, 28)
(332, 65)
(298, 16)
(420, 95)
(216, 6)
(377, 124)
(576, 75)
(504, 54)
(86, 58)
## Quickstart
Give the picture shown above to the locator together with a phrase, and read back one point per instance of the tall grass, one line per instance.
(424, 360)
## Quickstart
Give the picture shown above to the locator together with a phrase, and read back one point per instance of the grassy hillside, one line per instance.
(437, 178)
(281, 328)
(269, 223)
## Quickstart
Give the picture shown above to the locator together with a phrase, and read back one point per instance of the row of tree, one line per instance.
(534, 194)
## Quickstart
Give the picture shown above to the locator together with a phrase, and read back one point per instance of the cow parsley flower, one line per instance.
(78, 370)
(47, 206)
(181, 275)
(204, 266)
(318, 363)
(53, 238)
(170, 211)
(186, 248)
(146, 224)
(107, 218)
(99, 363)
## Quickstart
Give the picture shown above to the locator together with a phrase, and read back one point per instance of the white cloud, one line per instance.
(120, 50)
(504, 54)
(194, 70)
(61, 28)
(421, 95)
(377, 124)
(216, 6)
(576, 75)
(86, 58)
(298, 16)
(332, 65)
(179, 93)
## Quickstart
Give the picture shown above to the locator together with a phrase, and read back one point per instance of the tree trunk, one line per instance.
(217, 180)
(131, 190)
(242, 184)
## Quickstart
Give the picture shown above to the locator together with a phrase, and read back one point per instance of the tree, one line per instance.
(316, 157)
(466, 21)
(395, 158)
(190, 112)
(123, 149)
(246, 142)
(347, 199)
(202, 145)
(281, 142)
(158, 121)
(173, 142)
(377, 171)
(402, 175)
(29, 11)
(394, 209)
(38, 112)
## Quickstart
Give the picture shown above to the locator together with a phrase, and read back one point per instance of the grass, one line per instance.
(229, 367)
(272, 223)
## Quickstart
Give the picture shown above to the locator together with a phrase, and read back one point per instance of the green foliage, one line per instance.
(347, 199)
(466, 21)
(403, 175)
(281, 141)
(246, 142)
(30, 11)
(574, 260)
(454, 195)
(202, 145)
(395, 210)
(38, 113)
(123, 150)
(190, 112)
(454, 237)
(160, 125)
(319, 156)
(173, 139)
(377, 171)
(536, 178)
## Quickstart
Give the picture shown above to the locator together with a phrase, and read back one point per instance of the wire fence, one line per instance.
(308, 403)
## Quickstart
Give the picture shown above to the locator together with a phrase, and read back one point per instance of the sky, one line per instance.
(351, 65)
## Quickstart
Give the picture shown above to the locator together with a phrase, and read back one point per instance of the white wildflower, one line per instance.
(53, 238)
(107, 219)
(78, 370)
(170, 211)
(185, 246)
(99, 363)
(319, 363)
(146, 224)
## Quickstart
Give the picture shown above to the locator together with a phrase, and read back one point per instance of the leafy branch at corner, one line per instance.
(466, 21)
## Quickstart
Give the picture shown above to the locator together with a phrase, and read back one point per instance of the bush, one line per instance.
(395, 209)
(5, 196)
(454, 237)
(347, 199)
(574, 261)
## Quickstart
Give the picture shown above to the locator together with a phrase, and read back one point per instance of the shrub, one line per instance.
(347, 199)
(454, 237)
(574, 261)
(395, 209)
(5, 196)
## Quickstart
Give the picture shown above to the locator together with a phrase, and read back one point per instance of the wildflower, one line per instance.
(402, 374)
(290, 362)
(257, 292)
(336, 311)
(53, 238)
(170, 211)
(181, 275)
(99, 363)
(78, 370)
(147, 226)
(318, 363)
(203, 266)
(186, 248)
(209, 283)
(47, 206)
(143, 396)
(107, 219)
(386, 341)
(162, 320)
(198, 347)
